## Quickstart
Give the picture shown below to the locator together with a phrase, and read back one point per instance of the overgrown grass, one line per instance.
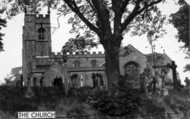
(13, 99)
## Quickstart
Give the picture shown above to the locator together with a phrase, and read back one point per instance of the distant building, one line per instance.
(42, 67)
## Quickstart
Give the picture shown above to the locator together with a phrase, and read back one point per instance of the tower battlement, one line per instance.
(37, 15)
(42, 16)
(60, 57)
(72, 54)
(37, 18)
(85, 53)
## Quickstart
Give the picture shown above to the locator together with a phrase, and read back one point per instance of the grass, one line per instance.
(12, 100)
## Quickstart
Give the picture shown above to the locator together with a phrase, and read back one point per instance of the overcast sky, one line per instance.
(12, 56)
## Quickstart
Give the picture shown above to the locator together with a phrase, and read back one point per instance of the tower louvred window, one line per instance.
(41, 32)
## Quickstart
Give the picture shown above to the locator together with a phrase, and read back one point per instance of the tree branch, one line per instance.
(137, 10)
(116, 4)
(149, 5)
(133, 14)
(91, 5)
(123, 6)
(102, 17)
(73, 6)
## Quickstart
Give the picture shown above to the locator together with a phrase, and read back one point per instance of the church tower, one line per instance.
(36, 39)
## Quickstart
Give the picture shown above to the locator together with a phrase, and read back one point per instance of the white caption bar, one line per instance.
(36, 115)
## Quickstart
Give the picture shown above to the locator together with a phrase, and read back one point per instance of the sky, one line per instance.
(12, 56)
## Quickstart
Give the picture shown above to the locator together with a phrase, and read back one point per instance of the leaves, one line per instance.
(121, 102)
(79, 44)
(187, 68)
(2, 24)
(180, 20)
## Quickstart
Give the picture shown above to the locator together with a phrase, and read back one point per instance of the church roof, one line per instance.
(129, 49)
(158, 58)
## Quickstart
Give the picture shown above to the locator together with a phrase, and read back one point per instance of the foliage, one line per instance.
(14, 77)
(178, 102)
(4, 115)
(180, 19)
(73, 108)
(117, 105)
(7, 104)
(187, 68)
(2, 24)
(44, 99)
(187, 81)
(12, 99)
(79, 44)
(126, 102)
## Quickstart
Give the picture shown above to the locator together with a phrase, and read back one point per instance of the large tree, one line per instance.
(181, 21)
(109, 20)
(2, 24)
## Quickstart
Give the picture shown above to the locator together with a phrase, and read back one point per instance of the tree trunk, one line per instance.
(112, 48)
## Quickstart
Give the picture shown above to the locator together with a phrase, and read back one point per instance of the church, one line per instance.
(41, 67)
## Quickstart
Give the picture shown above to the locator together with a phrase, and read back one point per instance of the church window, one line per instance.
(34, 82)
(97, 79)
(41, 81)
(76, 64)
(58, 82)
(131, 68)
(74, 80)
(41, 33)
(94, 63)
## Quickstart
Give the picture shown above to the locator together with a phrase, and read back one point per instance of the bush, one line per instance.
(12, 99)
(118, 103)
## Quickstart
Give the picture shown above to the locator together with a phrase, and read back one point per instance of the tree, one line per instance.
(109, 20)
(15, 77)
(180, 20)
(2, 24)
(122, 17)
(78, 44)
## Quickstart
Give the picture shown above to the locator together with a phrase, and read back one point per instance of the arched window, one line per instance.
(41, 33)
(131, 68)
(34, 82)
(94, 63)
(97, 79)
(76, 64)
(58, 82)
(41, 81)
(74, 80)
